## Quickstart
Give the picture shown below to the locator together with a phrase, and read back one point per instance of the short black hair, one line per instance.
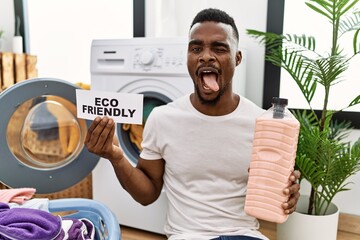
(216, 15)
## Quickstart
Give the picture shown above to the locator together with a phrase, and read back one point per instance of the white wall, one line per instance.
(7, 23)
(64, 51)
(61, 31)
(247, 14)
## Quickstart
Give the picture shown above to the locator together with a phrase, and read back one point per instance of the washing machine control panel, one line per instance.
(139, 56)
(158, 59)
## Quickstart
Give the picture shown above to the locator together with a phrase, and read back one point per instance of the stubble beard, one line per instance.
(211, 102)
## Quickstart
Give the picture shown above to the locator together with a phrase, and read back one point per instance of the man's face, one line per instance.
(212, 58)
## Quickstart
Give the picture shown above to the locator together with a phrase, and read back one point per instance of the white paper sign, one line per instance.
(122, 107)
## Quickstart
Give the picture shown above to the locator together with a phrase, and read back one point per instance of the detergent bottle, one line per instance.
(273, 159)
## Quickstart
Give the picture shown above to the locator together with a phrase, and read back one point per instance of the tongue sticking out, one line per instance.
(210, 81)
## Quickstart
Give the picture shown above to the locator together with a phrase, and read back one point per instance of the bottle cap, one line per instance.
(277, 100)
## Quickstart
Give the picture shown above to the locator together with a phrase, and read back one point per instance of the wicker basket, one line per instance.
(83, 189)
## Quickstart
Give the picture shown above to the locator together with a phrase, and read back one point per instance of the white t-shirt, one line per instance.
(206, 168)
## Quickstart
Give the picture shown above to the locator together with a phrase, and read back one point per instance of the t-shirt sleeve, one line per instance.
(149, 144)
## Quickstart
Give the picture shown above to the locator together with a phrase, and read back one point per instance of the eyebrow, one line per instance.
(222, 44)
(196, 42)
(216, 43)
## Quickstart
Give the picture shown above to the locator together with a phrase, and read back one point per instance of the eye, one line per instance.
(220, 49)
(195, 49)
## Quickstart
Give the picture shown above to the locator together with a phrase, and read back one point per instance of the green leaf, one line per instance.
(356, 42)
(355, 101)
(313, 7)
(345, 8)
(349, 23)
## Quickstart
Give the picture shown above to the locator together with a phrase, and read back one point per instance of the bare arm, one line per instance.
(143, 182)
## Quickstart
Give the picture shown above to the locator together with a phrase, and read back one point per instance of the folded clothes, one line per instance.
(77, 229)
(34, 203)
(16, 195)
(29, 224)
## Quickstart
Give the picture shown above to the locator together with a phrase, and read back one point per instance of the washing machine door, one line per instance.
(41, 139)
(157, 91)
(130, 135)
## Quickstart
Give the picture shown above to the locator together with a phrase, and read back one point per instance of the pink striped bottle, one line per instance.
(273, 159)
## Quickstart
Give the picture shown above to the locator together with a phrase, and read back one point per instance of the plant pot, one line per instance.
(301, 226)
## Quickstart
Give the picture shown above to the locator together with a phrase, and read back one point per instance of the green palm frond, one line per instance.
(331, 9)
(307, 42)
(325, 5)
(329, 69)
(356, 42)
(271, 40)
(300, 69)
(355, 101)
(349, 23)
(323, 159)
(287, 52)
(344, 6)
(339, 130)
(290, 41)
(325, 163)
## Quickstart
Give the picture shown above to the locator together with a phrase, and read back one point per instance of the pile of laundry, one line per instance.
(23, 217)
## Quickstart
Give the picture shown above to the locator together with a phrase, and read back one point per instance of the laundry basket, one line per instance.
(104, 220)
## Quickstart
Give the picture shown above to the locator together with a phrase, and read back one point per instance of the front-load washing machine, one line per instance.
(41, 147)
(156, 68)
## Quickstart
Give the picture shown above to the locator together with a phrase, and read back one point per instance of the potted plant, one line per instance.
(324, 158)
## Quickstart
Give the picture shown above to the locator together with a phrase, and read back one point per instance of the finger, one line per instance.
(102, 131)
(295, 175)
(107, 134)
(293, 188)
(290, 206)
(292, 201)
(290, 211)
(96, 133)
(293, 192)
(93, 125)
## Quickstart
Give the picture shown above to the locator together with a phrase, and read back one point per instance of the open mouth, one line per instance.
(209, 79)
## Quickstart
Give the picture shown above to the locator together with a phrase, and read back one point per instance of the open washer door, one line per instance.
(41, 139)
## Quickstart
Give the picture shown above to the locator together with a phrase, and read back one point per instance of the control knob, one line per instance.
(147, 58)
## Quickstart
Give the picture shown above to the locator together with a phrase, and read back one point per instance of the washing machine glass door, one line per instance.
(41, 142)
(130, 135)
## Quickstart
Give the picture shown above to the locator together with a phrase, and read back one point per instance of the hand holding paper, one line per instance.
(121, 107)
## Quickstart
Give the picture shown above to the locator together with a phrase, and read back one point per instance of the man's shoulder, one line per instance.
(173, 106)
(178, 103)
(250, 107)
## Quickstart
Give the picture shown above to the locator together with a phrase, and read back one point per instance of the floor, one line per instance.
(269, 231)
(134, 234)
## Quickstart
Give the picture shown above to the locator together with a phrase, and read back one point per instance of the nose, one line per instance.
(207, 56)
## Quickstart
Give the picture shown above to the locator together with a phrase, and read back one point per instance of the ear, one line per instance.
(238, 57)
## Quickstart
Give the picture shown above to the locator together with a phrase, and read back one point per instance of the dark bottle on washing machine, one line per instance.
(273, 159)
